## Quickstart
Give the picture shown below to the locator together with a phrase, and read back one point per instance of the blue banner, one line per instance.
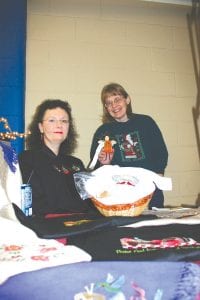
(13, 16)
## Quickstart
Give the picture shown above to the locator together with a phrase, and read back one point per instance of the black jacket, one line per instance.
(52, 182)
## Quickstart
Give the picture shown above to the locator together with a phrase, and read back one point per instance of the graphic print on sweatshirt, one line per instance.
(130, 146)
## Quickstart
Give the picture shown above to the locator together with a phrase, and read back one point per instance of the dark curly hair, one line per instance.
(110, 90)
(34, 141)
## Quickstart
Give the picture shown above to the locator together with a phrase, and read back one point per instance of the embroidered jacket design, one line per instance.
(130, 146)
(66, 171)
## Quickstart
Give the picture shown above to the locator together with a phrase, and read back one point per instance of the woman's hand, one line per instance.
(105, 158)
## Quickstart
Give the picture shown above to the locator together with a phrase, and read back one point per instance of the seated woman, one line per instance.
(48, 165)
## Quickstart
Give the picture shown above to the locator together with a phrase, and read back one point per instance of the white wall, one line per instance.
(75, 47)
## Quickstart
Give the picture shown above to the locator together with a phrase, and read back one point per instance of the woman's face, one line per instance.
(116, 106)
(54, 126)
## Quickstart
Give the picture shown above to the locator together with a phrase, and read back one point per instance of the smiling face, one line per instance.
(116, 106)
(54, 127)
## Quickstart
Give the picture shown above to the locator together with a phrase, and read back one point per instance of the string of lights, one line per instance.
(9, 134)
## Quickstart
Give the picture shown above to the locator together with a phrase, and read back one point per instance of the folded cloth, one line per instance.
(66, 225)
(170, 242)
(22, 251)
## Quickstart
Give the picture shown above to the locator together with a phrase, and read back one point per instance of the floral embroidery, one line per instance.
(40, 252)
(12, 248)
(75, 168)
(11, 253)
(67, 171)
(40, 257)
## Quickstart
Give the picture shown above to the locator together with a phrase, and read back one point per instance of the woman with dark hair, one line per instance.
(138, 139)
(48, 165)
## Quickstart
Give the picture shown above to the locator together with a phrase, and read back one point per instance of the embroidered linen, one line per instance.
(22, 251)
(121, 185)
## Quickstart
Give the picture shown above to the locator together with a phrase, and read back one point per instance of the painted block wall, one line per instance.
(75, 47)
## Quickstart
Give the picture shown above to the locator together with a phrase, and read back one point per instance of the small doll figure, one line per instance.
(106, 145)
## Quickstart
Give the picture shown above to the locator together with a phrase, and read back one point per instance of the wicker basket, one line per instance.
(125, 210)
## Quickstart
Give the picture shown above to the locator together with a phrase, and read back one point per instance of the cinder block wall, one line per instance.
(75, 47)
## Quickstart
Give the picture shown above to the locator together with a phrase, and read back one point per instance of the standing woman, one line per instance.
(48, 165)
(139, 141)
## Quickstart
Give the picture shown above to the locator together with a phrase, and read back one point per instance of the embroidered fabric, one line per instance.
(10, 177)
(189, 283)
(10, 156)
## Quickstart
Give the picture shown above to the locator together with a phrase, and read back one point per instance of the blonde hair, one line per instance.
(110, 90)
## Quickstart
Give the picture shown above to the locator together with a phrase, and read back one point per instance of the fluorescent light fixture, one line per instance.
(175, 2)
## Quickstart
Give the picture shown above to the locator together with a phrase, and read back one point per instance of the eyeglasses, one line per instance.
(52, 121)
(117, 100)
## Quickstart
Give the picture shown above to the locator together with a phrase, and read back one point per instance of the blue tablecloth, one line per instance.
(157, 280)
